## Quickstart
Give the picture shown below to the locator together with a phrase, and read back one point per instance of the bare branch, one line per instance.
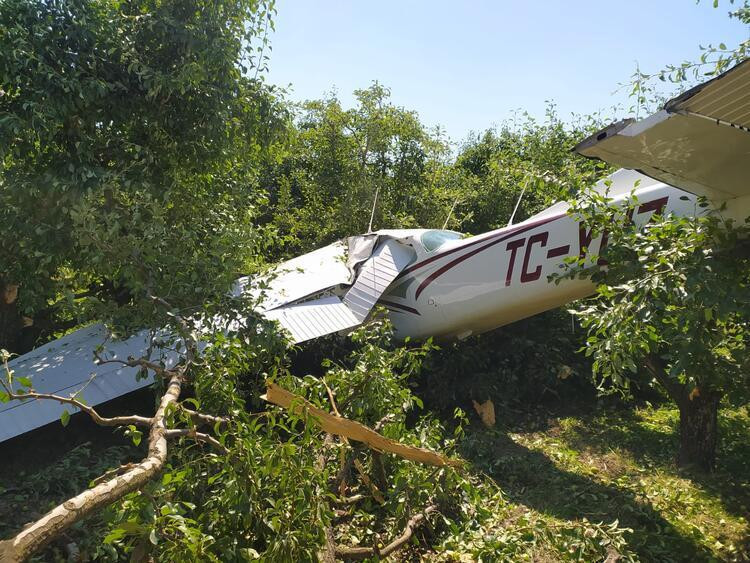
(360, 553)
(95, 416)
(135, 363)
(63, 516)
(200, 418)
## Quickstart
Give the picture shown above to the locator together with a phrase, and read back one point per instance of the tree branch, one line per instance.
(134, 363)
(200, 418)
(63, 516)
(95, 416)
(199, 436)
(360, 553)
(658, 368)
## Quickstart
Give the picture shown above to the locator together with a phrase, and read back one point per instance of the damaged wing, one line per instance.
(326, 291)
(316, 315)
(65, 367)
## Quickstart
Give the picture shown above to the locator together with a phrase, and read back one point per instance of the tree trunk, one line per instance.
(698, 430)
(11, 322)
(698, 417)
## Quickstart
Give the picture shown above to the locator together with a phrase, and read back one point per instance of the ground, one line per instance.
(618, 465)
(555, 471)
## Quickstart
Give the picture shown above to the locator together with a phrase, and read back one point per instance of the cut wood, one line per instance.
(353, 430)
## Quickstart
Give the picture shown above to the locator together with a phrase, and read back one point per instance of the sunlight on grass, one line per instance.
(620, 465)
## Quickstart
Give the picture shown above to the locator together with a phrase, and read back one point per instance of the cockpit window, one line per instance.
(432, 240)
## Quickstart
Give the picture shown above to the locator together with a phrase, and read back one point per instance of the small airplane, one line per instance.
(439, 283)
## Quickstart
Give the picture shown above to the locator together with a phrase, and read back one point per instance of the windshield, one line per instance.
(432, 240)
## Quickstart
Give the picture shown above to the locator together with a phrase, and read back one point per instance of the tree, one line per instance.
(130, 138)
(339, 161)
(523, 156)
(674, 300)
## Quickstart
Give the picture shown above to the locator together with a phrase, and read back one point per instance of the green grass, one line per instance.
(574, 487)
(617, 466)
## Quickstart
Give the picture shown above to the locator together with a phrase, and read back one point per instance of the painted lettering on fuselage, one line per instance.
(585, 237)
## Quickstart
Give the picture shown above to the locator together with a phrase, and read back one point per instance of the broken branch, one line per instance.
(360, 553)
(351, 429)
(60, 518)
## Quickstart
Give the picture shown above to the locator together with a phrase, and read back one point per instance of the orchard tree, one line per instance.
(339, 161)
(130, 138)
(673, 299)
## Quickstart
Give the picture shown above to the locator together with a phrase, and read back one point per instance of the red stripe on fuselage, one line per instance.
(491, 236)
(495, 239)
(402, 308)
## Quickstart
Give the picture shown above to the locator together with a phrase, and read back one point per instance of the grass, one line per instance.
(567, 481)
(617, 466)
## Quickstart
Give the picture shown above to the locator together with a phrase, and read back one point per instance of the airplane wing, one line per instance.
(699, 141)
(322, 292)
(66, 366)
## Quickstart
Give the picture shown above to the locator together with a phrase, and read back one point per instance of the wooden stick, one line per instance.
(359, 553)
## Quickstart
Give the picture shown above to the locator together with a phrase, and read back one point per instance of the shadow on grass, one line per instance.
(654, 444)
(531, 478)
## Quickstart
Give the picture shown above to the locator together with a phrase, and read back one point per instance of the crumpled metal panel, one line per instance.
(317, 317)
(375, 275)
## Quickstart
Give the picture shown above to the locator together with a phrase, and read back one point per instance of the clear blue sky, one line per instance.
(467, 65)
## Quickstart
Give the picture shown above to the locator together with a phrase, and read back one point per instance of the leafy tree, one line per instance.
(339, 161)
(673, 299)
(130, 136)
(527, 156)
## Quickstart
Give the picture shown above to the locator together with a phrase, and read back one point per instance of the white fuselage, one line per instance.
(476, 284)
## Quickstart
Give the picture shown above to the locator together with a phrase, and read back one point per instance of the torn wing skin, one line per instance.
(310, 297)
(699, 141)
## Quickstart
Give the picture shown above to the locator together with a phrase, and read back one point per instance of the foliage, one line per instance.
(130, 137)
(648, 89)
(676, 288)
(337, 161)
(533, 360)
(524, 154)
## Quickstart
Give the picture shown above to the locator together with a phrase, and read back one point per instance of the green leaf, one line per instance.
(65, 418)
(25, 381)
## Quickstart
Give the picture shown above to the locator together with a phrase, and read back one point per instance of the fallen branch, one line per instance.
(351, 429)
(360, 553)
(95, 416)
(60, 518)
